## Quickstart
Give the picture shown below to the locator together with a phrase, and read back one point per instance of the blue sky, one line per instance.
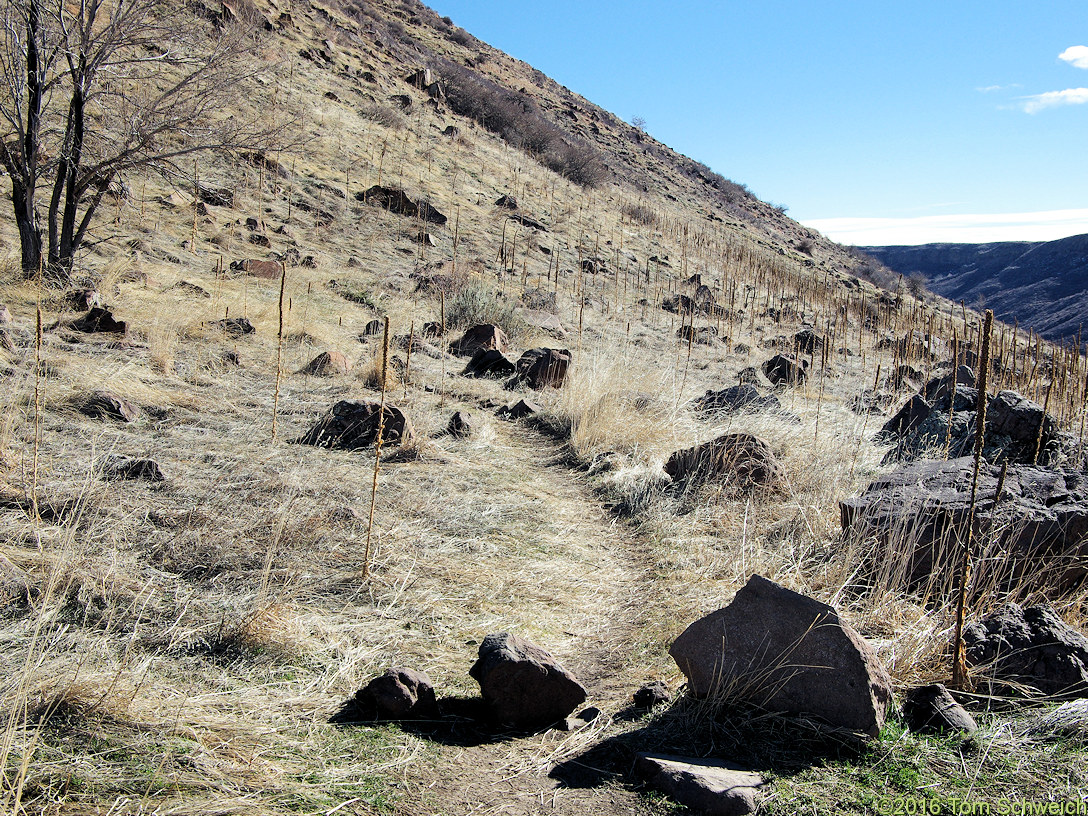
(944, 121)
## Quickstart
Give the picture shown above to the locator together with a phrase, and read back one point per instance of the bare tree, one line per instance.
(93, 89)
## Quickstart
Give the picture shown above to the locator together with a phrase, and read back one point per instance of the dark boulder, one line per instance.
(704, 786)
(463, 424)
(932, 710)
(544, 367)
(99, 320)
(736, 459)
(506, 202)
(233, 326)
(397, 201)
(807, 341)
(327, 364)
(736, 399)
(652, 694)
(107, 405)
(485, 336)
(351, 425)
(397, 694)
(523, 685)
(1029, 647)
(124, 468)
(784, 370)
(488, 362)
(518, 410)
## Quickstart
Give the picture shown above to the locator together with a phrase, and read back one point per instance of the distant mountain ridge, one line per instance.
(1042, 284)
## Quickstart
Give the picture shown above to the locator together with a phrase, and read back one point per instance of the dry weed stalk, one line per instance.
(377, 450)
(279, 350)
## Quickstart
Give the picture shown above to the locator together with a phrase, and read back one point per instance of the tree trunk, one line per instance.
(30, 235)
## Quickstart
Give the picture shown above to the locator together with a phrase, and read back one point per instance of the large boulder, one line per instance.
(914, 521)
(351, 425)
(784, 370)
(736, 459)
(522, 684)
(397, 201)
(1029, 647)
(706, 786)
(542, 367)
(785, 652)
(485, 336)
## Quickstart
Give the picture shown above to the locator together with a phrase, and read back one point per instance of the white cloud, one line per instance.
(956, 229)
(1054, 99)
(1075, 55)
(993, 88)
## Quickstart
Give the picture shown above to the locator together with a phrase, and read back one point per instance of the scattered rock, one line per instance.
(233, 326)
(787, 653)
(122, 467)
(940, 387)
(1067, 721)
(425, 239)
(1035, 533)
(351, 425)
(518, 410)
(703, 336)
(737, 459)
(488, 362)
(398, 694)
(526, 221)
(99, 320)
(327, 364)
(107, 405)
(932, 710)
(710, 787)
(463, 424)
(397, 201)
(82, 300)
(543, 367)
(522, 684)
(452, 132)
(1030, 647)
(191, 289)
(807, 341)
(5, 314)
(373, 327)
(749, 376)
(871, 402)
(736, 399)
(652, 694)
(486, 336)
(783, 370)
(545, 321)
(269, 270)
(507, 202)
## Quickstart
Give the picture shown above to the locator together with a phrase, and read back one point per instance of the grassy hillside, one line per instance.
(179, 646)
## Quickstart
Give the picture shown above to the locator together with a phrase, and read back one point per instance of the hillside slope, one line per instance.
(1043, 285)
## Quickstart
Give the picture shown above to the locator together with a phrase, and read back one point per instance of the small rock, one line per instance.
(327, 364)
(507, 202)
(398, 694)
(269, 270)
(784, 370)
(932, 710)
(5, 314)
(522, 684)
(735, 399)
(518, 410)
(99, 320)
(82, 300)
(807, 341)
(486, 336)
(463, 424)
(652, 694)
(1067, 721)
(121, 467)
(788, 653)
(233, 326)
(373, 327)
(707, 787)
(107, 405)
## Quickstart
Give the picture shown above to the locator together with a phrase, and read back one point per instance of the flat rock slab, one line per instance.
(785, 652)
(523, 685)
(705, 786)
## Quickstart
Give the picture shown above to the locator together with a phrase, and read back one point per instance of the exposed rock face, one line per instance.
(488, 362)
(522, 684)
(542, 367)
(1015, 426)
(932, 710)
(350, 425)
(1032, 647)
(736, 399)
(486, 336)
(1036, 532)
(738, 459)
(783, 370)
(99, 320)
(327, 364)
(397, 201)
(788, 653)
(107, 405)
(705, 786)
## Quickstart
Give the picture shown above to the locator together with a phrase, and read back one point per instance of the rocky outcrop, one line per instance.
(99, 320)
(915, 519)
(785, 652)
(524, 686)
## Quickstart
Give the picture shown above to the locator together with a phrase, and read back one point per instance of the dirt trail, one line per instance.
(510, 775)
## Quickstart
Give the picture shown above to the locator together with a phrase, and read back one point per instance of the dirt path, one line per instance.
(489, 774)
